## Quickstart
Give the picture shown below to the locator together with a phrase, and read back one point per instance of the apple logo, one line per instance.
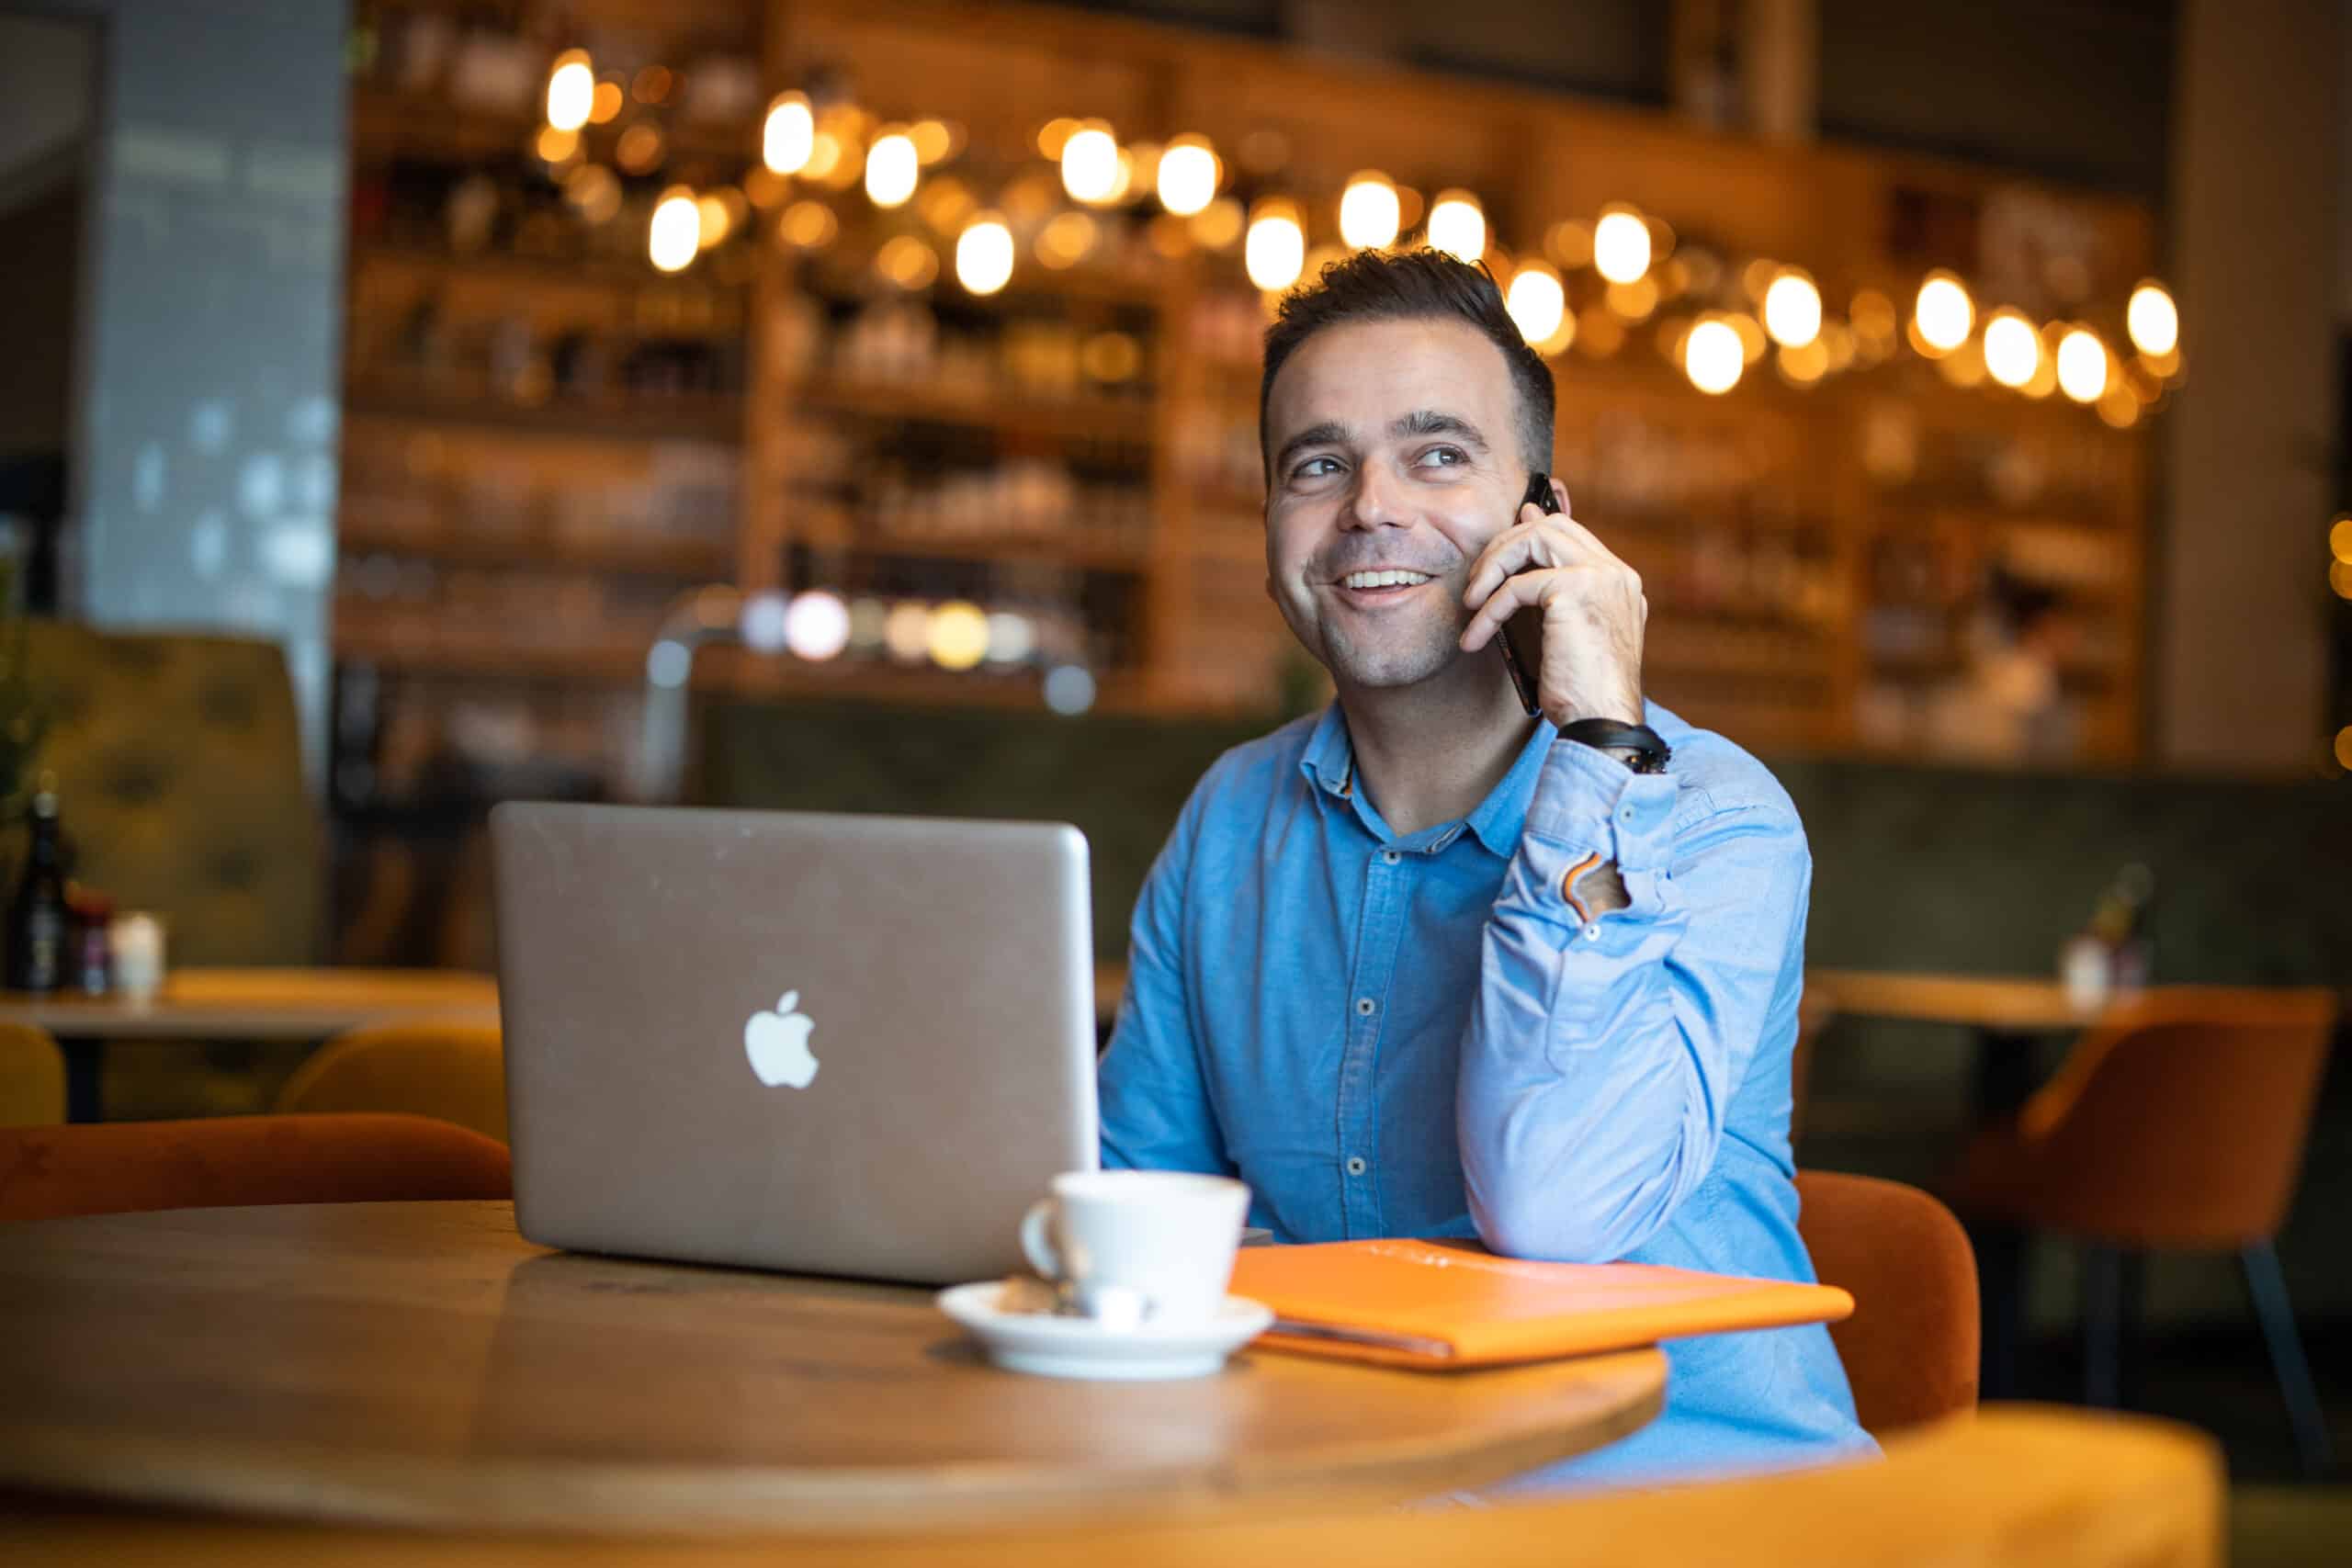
(777, 1043)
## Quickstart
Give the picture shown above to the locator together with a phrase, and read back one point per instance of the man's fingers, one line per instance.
(1537, 539)
(1520, 587)
(1578, 533)
(1507, 552)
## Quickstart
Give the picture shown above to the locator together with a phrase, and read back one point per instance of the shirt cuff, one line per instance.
(1588, 800)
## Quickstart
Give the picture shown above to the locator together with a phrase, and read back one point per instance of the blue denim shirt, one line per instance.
(1419, 1036)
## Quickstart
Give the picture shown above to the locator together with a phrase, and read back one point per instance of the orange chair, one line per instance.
(109, 1168)
(1910, 1347)
(450, 1069)
(2177, 1124)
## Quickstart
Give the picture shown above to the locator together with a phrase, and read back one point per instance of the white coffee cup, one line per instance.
(1158, 1241)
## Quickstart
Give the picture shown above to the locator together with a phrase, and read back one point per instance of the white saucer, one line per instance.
(1080, 1347)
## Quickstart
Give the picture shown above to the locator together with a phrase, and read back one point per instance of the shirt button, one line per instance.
(1389, 857)
(1366, 1006)
(1592, 933)
(1355, 1165)
(1626, 813)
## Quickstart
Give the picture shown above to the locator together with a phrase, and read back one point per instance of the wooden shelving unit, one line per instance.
(1120, 420)
(1798, 598)
(397, 122)
(671, 558)
(629, 277)
(708, 419)
(480, 656)
(1064, 546)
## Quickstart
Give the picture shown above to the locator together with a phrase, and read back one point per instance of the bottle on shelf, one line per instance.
(2124, 923)
(39, 917)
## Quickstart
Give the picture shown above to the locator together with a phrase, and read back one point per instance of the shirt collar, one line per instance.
(1501, 818)
(1329, 763)
(1331, 760)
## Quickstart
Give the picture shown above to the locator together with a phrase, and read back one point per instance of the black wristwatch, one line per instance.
(1651, 754)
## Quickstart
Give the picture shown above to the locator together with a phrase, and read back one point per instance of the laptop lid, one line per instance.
(830, 1044)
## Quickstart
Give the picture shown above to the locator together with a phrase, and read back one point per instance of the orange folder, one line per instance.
(1452, 1303)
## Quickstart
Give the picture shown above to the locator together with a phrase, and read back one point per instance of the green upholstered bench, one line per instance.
(179, 766)
(1121, 780)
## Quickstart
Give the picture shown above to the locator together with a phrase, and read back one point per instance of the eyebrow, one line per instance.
(1330, 433)
(1431, 421)
(1420, 422)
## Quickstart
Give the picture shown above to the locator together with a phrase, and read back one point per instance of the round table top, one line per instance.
(422, 1364)
(260, 1004)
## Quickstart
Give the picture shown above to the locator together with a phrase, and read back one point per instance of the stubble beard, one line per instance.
(1400, 656)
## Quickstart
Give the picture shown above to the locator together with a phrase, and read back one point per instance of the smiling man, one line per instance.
(1424, 967)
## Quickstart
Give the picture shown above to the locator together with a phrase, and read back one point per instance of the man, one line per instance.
(1425, 967)
(2008, 707)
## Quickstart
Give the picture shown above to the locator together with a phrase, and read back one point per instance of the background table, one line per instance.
(2000, 1003)
(421, 1364)
(2004, 1014)
(240, 1004)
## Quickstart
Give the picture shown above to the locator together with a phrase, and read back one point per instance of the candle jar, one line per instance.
(137, 939)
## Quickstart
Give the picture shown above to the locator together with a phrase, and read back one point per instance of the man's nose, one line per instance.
(1375, 500)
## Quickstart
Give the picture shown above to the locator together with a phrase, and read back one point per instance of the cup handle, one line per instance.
(1036, 1239)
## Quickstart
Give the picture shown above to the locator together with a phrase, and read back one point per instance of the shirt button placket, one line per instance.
(1384, 890)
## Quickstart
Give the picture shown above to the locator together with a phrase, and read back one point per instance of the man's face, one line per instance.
(1394, 450)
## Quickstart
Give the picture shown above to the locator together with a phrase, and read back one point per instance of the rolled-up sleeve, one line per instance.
(1603, 1054)
(1156, 1112)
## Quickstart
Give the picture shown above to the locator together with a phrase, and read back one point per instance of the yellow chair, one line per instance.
(32, 1078)
(450, 1069)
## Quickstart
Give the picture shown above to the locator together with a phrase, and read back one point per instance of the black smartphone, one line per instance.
(1522, 636)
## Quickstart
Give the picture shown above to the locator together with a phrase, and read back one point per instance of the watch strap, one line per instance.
(1651, 753)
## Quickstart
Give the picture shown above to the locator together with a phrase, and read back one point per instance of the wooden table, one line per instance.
(2013, 1488)
(2003, 1004)
(419, 1364)
(240, 1004)
(2005, 1014)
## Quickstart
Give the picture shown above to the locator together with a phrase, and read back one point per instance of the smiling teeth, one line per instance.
(1385, 578)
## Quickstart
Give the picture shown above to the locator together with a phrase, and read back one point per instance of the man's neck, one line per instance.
(1431, 752)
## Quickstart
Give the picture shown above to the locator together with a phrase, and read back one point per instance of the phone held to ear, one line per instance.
(1522, 636)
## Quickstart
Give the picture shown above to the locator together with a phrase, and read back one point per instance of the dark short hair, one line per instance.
(1412, 285)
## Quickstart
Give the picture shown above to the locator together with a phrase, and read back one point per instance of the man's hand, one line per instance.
(1594, 614)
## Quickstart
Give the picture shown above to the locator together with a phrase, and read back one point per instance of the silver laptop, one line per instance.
(831, 1045)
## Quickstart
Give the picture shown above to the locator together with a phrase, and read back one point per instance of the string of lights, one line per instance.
(1716, 321)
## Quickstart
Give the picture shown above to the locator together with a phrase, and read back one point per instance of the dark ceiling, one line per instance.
(2075, 90)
